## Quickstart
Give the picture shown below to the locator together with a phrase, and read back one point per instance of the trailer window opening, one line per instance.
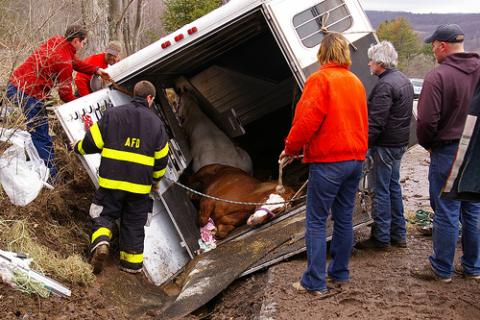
(309, 23)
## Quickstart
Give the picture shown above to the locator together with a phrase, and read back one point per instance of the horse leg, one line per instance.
(223, 230)
(228, 222)
(206, 209)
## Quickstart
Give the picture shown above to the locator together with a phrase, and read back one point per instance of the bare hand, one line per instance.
(284, 158)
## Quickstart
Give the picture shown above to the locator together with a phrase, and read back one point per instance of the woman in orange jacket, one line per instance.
(330, 126)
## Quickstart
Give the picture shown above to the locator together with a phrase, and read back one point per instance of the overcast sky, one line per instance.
(423, 6)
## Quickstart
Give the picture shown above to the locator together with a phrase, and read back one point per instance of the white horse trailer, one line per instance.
(246, 62)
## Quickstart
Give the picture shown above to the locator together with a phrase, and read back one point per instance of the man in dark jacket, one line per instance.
(389, 113)
(133, 145)
(442, 111)
(48, 66)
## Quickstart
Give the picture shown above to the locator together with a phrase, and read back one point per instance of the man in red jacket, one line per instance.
(51, 65)
(110, 56)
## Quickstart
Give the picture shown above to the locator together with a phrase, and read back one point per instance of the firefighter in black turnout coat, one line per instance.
(133, 144)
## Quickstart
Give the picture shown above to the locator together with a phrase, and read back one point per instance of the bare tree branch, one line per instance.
(138, 24)
(124, 12)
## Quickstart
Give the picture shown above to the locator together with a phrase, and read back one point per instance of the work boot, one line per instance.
(372, 244)
(335, 283)
(99, 255)
(399, 243)
(132, 271)
(299, 288)
(427, 273)
(459, 271)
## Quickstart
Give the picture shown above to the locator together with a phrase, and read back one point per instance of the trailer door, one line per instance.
(299, 26)
(170, 240)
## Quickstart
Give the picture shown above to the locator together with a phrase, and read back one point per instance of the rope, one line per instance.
(324, 23)
(229, 201)
(282, 164)
(280, 188)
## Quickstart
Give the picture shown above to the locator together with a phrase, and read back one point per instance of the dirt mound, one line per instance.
(57, 222)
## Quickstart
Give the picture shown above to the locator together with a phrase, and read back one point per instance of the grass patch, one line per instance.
(71, 269)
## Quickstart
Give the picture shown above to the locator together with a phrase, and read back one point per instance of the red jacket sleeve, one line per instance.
(80, 66)
(309, 115)
(82, 82)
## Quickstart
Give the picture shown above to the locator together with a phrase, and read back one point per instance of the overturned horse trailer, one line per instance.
(246, 63)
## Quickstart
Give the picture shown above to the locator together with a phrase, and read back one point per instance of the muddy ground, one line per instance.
(381, 286)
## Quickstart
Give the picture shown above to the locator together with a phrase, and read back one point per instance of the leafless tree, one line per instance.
(95, 17)
(123, 20)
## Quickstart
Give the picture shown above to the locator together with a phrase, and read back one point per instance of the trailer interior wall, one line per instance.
(243, 82)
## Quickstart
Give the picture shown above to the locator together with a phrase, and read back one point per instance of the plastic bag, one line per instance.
(22, 180)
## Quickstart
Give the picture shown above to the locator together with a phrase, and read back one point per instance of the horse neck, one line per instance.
(266, 188)
(195, 116)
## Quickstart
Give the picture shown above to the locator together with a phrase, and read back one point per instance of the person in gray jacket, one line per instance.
(389, 113)
(443, 107)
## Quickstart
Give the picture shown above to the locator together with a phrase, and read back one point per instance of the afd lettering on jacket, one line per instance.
(132, 142)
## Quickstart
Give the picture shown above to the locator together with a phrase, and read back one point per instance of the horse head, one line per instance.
(275, 205)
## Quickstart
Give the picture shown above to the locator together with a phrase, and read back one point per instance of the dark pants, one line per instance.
(447, 215)
(132, 210)
(389, 220)
(331, 187)
(37, 124)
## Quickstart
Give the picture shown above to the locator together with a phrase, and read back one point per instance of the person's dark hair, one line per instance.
(144, 89)
(75, 31)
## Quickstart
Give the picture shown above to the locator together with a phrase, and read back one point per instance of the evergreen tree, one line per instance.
(181, 12)
(403, 37)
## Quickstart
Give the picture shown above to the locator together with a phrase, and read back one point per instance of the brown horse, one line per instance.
(231, 183)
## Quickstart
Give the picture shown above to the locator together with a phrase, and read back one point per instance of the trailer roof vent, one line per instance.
(178, 37)
(166, 44)
(192, 30)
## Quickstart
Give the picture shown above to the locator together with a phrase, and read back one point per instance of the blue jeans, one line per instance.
(37, 123)
(331, 187)
(389, 221)
(446, 219)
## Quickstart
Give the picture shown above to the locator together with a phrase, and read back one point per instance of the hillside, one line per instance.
(424, 24)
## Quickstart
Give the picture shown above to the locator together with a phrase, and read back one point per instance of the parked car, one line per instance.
(417, 86)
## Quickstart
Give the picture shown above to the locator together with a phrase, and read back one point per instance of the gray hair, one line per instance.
(384, 54)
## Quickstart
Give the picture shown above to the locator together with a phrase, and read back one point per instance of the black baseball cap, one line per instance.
(447, 33)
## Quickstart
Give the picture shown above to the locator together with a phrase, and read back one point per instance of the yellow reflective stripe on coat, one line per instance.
(124, 185)
(131, 257)
(159, 174)
(97, 136)
(102, 231)
(128, 157)
(162, 153)
(80, 148)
